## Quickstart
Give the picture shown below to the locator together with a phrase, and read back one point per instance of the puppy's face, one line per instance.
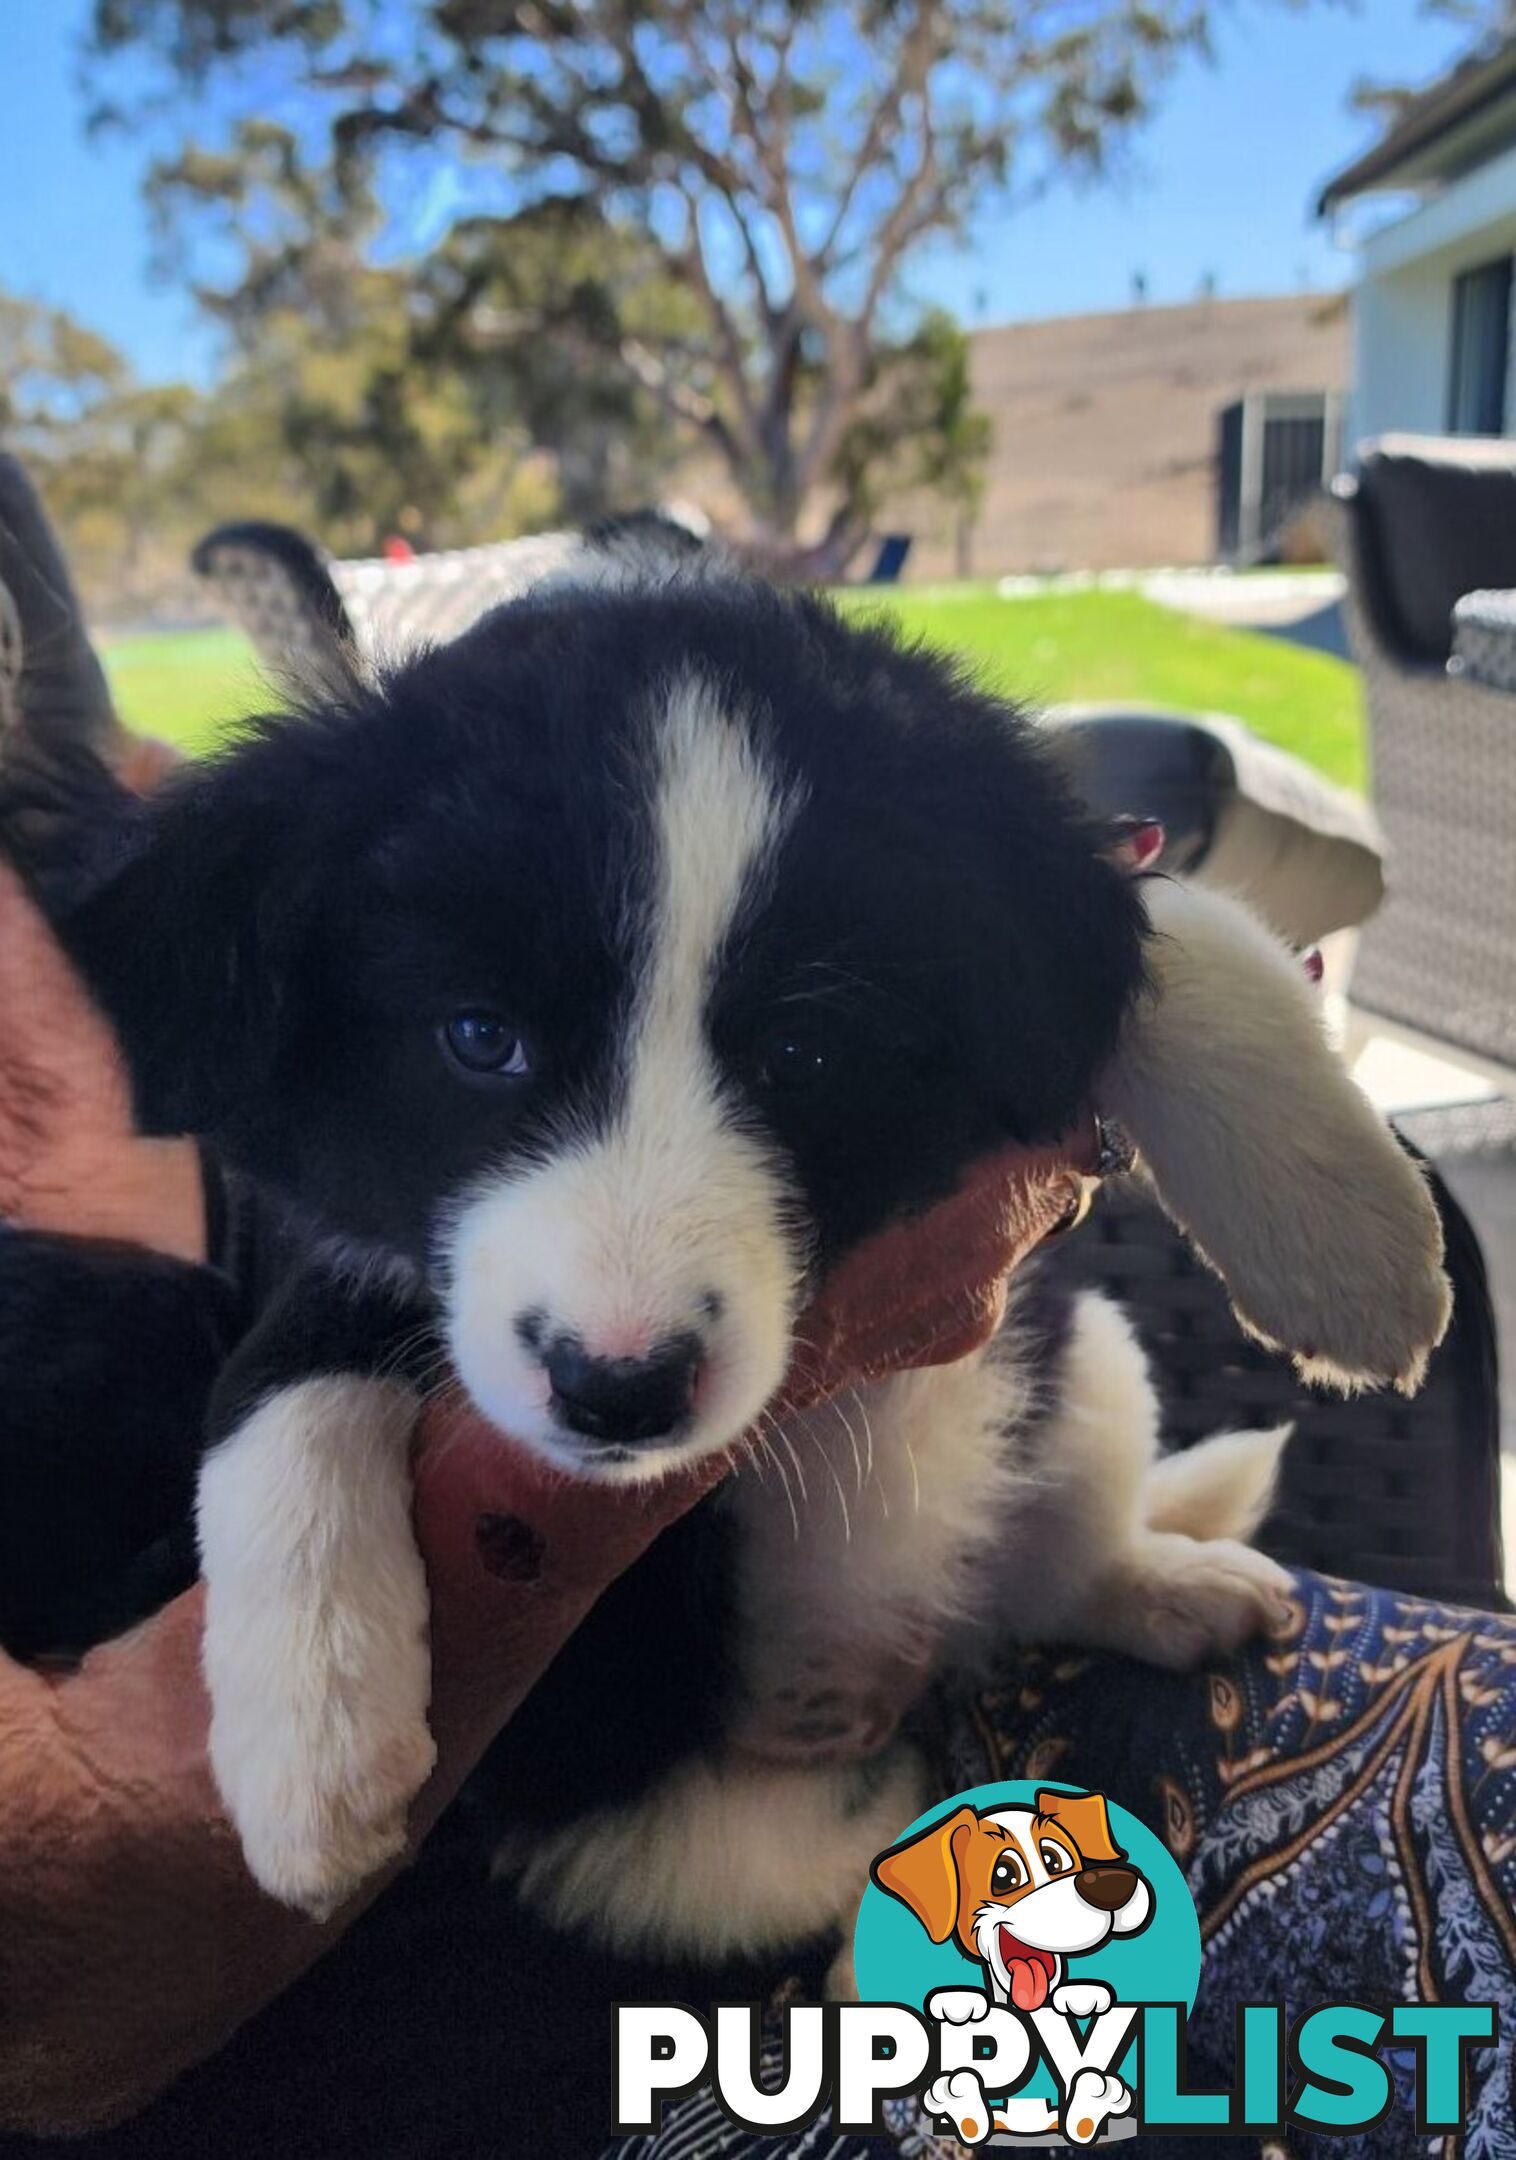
(615, 970)
(1021, 1889)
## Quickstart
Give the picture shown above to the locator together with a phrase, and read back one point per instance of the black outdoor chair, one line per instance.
(1377, 1488)
(1423, 522)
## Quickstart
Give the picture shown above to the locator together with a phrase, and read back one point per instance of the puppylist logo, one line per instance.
(1027, 1956)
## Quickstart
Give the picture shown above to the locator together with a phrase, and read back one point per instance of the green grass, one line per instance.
(1057, 648)
(186, 687)
(1049, 648)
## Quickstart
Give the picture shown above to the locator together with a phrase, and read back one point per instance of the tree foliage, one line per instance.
(738, 189)
(1482, 21)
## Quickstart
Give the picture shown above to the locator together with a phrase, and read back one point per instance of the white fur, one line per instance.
(868, 1529)
(843, 1615)
(1230, 1480)
(316, 1635)
(950, 1505)
(1269, 1157)
(621, 1238)
(727, 1855)
(1088, 1567)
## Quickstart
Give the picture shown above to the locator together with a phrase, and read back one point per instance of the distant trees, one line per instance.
(616, 224)
(1482, 20)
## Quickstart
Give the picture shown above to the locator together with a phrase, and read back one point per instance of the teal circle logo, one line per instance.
(1041, 1897)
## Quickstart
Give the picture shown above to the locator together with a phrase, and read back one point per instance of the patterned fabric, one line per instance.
(1343, 1802)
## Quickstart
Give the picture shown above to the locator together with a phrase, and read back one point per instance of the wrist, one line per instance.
(140, 1192)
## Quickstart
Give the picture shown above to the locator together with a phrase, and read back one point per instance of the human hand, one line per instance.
(132, 1940)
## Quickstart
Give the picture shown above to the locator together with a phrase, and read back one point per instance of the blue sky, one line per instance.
(1222, 183)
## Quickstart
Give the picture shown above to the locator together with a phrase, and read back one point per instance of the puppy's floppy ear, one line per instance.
(185, 930)
(1269, 1157)
(923, 1872)
(1086, 1819)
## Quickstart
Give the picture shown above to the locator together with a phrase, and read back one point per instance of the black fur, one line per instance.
(278, 937)
(293, 920)
(107, 1357)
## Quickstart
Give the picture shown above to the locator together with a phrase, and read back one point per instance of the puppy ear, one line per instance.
(186, 939)
(1264, 1151)
(923, 1873)
(1086, 1819)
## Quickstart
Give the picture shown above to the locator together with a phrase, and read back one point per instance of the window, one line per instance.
(1481, 349)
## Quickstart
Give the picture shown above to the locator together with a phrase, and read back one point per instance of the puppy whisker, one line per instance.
(835, 1406)
(847, 1520)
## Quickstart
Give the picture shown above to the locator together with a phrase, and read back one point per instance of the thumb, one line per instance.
(516, 1554)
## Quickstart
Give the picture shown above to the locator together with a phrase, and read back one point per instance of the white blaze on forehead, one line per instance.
(718, 813)
(673, 1180)
(670, 1217)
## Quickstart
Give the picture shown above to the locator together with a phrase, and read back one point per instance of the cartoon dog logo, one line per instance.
(1022, 1890)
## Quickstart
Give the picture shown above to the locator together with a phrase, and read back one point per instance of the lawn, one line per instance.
(1116, 646)
(1050, 647)
(185, 686)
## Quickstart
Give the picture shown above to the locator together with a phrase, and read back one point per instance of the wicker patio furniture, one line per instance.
(292, 598)
(1422, 524)
(1375, 1488)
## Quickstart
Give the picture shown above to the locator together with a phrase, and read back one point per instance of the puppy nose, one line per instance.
(1106, 1888)
(627, 1402)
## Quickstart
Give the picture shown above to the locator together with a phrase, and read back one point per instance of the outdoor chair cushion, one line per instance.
(1441, 513)
(1237, 812)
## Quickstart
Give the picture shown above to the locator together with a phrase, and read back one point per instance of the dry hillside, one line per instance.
(1105, 429)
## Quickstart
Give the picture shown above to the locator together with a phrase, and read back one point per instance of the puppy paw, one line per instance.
(1082, 1998)
(312, 1835)
(1371, 1309)
(1269, 1157)
(1094, 2097)
(315, 1649)
(1176, 1601)
(828, 1706)
(957, 2006)
(959, 2096)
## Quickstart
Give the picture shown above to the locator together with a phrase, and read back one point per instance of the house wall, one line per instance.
(1403, 302)
(1104, 446)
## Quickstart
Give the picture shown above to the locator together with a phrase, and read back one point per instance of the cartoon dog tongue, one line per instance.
(1029, 1972)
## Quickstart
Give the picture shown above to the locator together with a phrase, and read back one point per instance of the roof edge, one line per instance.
(1476, 82)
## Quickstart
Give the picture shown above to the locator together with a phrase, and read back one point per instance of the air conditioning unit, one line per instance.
(1275, 450)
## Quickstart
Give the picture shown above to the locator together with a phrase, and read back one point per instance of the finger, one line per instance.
(141, 762)
(517, 1551)
(516, 1554)
(69, 1158)
(932, 1289)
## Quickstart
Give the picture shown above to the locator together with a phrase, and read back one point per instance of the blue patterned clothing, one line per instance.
(1342, 1799)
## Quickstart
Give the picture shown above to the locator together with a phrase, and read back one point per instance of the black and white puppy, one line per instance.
(587, 988)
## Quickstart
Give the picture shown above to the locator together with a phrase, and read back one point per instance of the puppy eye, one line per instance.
(1009, 1872)
(792, 1061)
(484, 1045)
(1055, 1859)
